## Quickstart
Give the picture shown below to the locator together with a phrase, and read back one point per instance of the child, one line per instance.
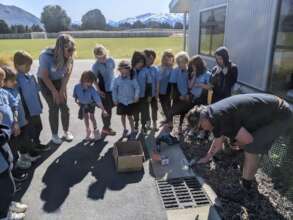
(87, 97)
(182, 103)
(104, 72)
(29, 91)
(165, 70)
(21, 142)
(152, 87)
(199, 80)
(125, 94)
(138, 63)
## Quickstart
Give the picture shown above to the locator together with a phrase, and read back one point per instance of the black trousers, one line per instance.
(108, 105)
(181, 108)
(141, 112)
(165, 101)
(22, 143)
(153, 104)
(35, 128)
(7, 189)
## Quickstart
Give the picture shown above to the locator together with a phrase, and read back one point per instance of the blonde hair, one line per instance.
(63, 41)
(182, 56)
(100, 50)
(167, 54)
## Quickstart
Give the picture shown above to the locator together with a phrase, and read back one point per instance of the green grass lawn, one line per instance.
(119, 47)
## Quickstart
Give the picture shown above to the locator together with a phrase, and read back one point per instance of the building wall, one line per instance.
(249, 32)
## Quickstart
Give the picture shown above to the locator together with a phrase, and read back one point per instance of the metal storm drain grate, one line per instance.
(182, 193)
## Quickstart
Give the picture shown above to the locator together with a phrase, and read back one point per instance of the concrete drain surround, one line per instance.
(182, 193)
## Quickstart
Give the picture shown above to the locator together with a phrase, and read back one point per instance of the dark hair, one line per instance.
(150, 52)
(199, 64)
(137, 57)
(224, 53)
(22, 58)
(10, 74)
(87, 76)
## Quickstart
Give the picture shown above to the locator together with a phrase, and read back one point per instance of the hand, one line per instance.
(204, 159)
(136, 100)
(56, 97)
(115, 103)
(104, 113)
(102, 94)
(16, 129)
(62, 96)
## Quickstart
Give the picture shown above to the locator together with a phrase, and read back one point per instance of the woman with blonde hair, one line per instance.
(55, 68)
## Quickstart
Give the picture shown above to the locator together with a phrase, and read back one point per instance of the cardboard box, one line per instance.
(128, 156)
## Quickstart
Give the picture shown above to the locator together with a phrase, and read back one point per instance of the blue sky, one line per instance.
(112, 9)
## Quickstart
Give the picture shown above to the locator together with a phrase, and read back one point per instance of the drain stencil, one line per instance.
(182, 193)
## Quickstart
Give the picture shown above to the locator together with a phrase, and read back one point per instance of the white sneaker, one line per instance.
(15, 216)
(30, 158)
(56, 139)
(17, 207)
(97, 135)
(68, 136)
(23, 163)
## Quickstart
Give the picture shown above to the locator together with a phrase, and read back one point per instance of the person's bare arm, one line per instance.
(243, 137)
(216, 146)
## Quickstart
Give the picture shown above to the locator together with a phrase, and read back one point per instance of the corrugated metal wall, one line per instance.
(248, 35)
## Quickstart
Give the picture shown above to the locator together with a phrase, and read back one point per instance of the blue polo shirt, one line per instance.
(141, 78)
(202, 79)
(21, 114)
(87, 95)
(164, 77)
(7, 104)
(125, 90)
(106, 70)
(180, 77)
(46, 62)
(152, 77)
(29, 89)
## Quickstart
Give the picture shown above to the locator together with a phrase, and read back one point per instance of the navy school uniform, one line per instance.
(29, 90)
(125, 91)
(164, 94)
(88, 99)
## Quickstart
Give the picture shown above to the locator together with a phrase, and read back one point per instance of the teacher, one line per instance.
(55, 68)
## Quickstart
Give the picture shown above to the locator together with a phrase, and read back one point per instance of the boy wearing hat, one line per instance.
(125, 94)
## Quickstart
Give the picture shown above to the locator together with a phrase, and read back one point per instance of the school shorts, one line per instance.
(84, 109)
(125, 109)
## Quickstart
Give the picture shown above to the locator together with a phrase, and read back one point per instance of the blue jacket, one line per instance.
(86, 95)
(202, 79)
(29, 90)
(105, 73)
(6, 157)
(180, 77)
(21, 114)
(8, 104)
(152, 77)
(125, 90)
(46, 62)
(164, 77)
(141, 78)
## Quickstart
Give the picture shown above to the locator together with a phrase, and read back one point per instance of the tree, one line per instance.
(166, 25)
(55, 18)
(93, 20)
(36, 28)
(153, 24)
(125, 25)
(4, 28)
(138, 24)
(178, 25)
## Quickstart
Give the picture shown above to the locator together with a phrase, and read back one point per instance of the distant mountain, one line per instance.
(169, 18)
(13, 15)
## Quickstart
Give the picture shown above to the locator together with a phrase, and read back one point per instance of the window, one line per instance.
(212, 29)
(282, 78)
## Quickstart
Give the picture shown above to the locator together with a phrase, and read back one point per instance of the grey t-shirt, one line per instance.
(250, 111)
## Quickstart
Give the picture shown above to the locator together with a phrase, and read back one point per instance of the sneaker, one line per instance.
(18, 187)
(31, 158)
(125, 133)
(17, 207)
(15, 216)
(43, 147)
(132, 136)
(19, 176)
(68, 136)
(97, 135)
(56, 139)
(108, 131)
(23, 164)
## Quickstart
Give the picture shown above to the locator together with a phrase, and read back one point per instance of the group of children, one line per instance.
(136, 91)
(21, 126)
(138, 88)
